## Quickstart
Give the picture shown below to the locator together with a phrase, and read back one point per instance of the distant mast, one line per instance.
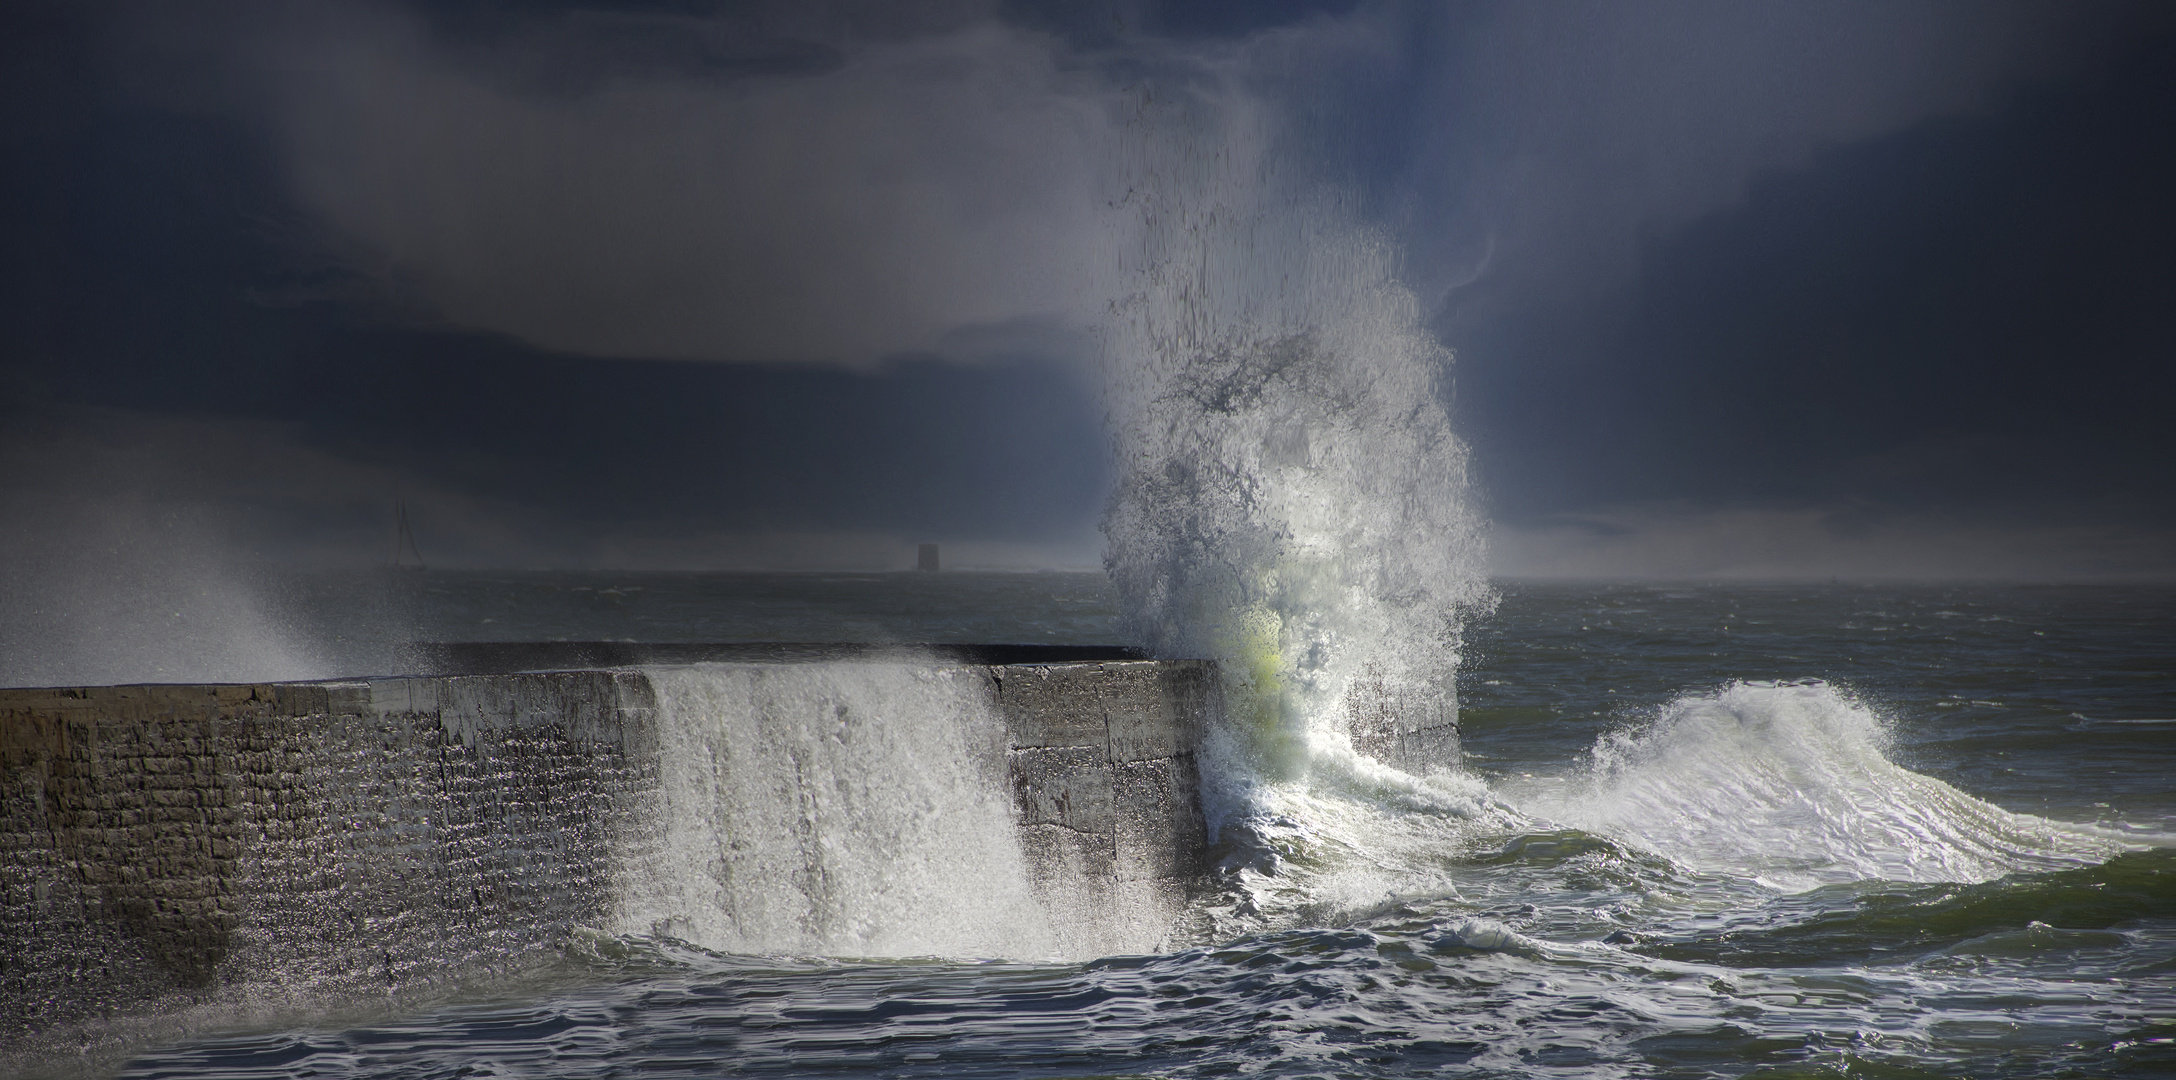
(928, 559)
(404, 541)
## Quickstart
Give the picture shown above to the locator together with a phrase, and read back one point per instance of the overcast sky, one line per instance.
(1750, 289)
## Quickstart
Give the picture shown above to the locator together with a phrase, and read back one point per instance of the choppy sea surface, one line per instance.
(1702, 830)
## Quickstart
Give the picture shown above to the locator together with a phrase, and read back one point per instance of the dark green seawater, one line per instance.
(1716, 830)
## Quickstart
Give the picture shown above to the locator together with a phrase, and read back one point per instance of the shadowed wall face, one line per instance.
(229, 847)
(173, 844)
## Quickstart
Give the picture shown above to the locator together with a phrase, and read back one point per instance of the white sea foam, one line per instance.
(1792, 783)
(842, 809)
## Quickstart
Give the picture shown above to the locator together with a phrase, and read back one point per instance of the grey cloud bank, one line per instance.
(919, 188)
(1741, 289)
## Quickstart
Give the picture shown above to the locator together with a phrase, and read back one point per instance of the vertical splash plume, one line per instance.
(1291, 498)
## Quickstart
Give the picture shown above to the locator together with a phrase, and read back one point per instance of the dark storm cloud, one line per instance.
(1847, 288)
(1969, 310)
(440, 248)
(1791, 285)
(172, 265)
(758, 183)
(1560, 133)
(834, 215)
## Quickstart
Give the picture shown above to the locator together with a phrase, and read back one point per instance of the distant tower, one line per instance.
(928, 559)
(404, 540)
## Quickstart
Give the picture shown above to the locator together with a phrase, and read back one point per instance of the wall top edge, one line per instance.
(20, 697)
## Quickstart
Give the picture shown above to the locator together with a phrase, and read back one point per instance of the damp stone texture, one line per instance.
(164, 848)
(1106, 795)
(1413, 732)
(166, 845)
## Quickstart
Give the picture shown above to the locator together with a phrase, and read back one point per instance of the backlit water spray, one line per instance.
(1291, 501)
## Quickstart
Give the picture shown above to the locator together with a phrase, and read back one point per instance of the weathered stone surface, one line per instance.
(165, 843)
(1043, 706)
(1160, 834)
(1104, 783)
(1156, 711)
(161, 845)
(1071, 866)
(1414, 730)
(1063, 786)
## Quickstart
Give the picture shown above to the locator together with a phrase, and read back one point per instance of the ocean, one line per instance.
(1698, 830)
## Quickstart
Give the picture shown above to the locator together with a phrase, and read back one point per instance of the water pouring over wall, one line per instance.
(833, 809)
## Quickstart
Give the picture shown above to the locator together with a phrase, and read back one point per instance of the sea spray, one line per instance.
(841, 809)
(1791, 784)
(1291, 500)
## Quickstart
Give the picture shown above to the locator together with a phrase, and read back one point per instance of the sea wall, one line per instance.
(168, 845)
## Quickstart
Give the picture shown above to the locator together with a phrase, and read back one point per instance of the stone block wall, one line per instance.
(1105, 787)
(1416, 732)
(164, 845)
(160, 844)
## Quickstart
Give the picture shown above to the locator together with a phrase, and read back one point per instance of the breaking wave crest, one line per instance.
(1792, 784)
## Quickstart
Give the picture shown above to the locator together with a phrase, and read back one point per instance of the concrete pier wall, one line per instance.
(162, 845)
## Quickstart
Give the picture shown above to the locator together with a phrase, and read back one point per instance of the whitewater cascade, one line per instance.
(1291, 497)
(832, 809)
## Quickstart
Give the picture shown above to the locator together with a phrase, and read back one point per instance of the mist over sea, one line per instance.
(1699, 830)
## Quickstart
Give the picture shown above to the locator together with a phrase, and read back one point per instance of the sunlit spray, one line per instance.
(1792, 783)
(1291, 499)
